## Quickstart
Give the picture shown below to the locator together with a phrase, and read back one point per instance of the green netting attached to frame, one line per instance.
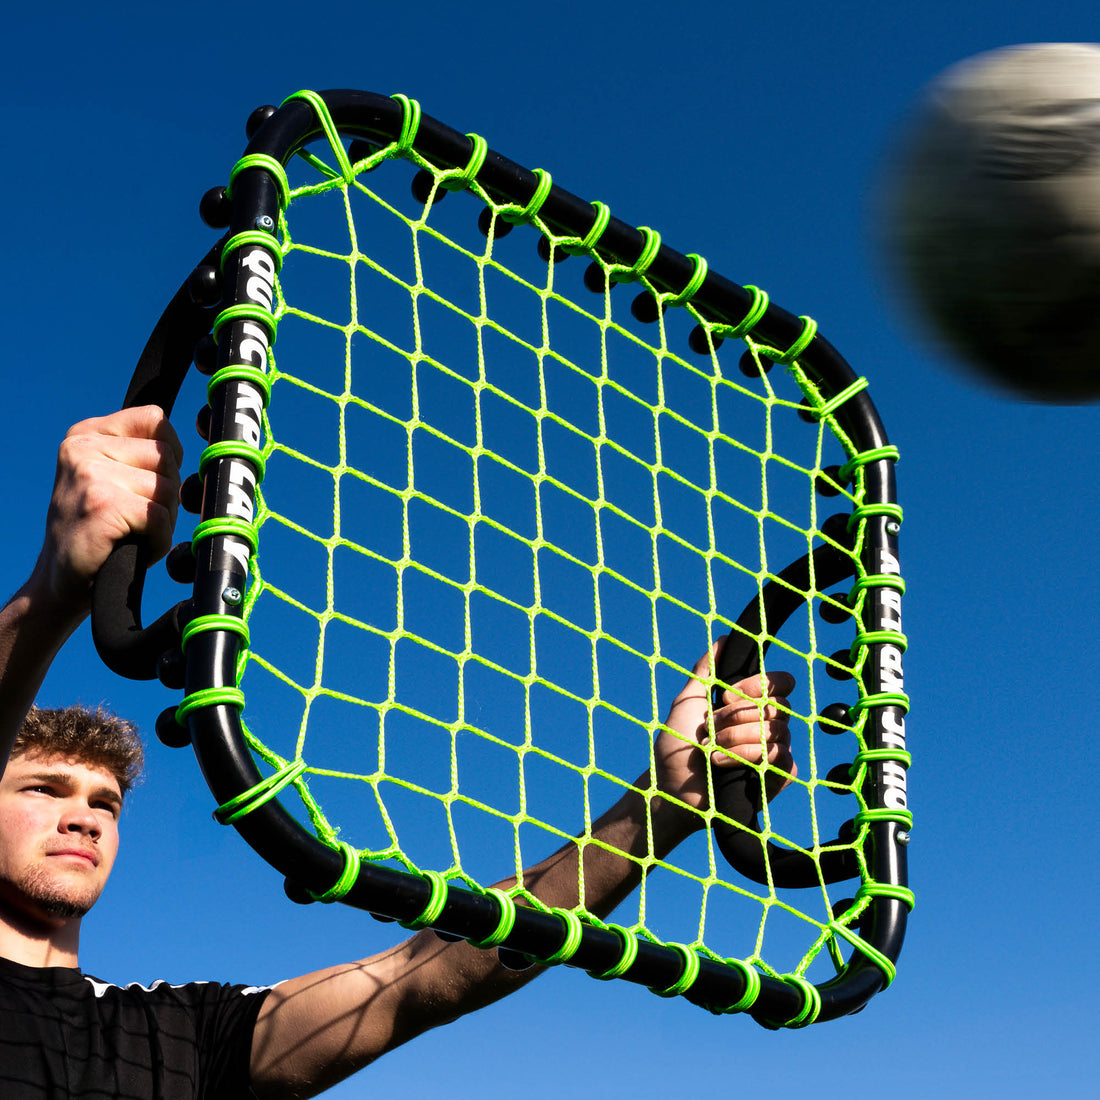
(502, 518)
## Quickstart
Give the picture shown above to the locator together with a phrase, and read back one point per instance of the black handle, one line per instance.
(737, 789)
(126, 647)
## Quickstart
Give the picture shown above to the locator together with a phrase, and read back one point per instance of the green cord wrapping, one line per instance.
(867, 817)
(866, 756)
(233, 448)
(811, 1004)
(410, 123)
(506, 923)
(876, 580)
(865, 458)
(752, 988)
(241, 372)
(271, 165)
(882, 699)
(203, 623)
(225, 525)
(876, 637)
(887, 890)
(347, 878)
(626, 959)
(436, 900)
(698, 276)
(751, 319)
(864, 511)
(577, 246)
(232, 811)
(458, 179)
(320, 109)
(245, 312)
(877, 957)
(805, 338)
(209, 697)
(521, 215)
(253, 236)
(573, 932)
(687, 977)
(651, 245)
(845, 395)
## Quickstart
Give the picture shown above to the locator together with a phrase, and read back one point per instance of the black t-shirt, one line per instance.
(66, 1035)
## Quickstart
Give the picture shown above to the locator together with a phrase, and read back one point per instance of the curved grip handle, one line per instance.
(737, 790)
(124, 645)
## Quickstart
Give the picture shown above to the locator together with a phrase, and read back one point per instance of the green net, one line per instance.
(501, 518)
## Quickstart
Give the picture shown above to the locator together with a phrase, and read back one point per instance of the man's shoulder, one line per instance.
(161, 990)
(69, 983)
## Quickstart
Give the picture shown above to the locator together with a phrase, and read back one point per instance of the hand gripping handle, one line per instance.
(737, 789)
(125, 646)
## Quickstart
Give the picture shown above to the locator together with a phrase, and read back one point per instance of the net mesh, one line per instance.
(501, 519)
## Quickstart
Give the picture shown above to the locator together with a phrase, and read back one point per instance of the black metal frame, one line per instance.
(215, 731)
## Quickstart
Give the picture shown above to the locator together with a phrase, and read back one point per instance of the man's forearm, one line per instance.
(320, 1028)
(32, 630)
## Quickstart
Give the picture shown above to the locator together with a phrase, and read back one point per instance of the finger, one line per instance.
(144, 422)
(762, 686)
(742, 711)
(702, 673)
(159, 456)
(774, 732)
(778, 756)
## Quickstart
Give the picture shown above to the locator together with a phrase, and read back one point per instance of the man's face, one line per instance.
(58, 836)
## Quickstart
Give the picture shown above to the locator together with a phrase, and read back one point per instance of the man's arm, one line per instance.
(317, 1029)
(116, 475)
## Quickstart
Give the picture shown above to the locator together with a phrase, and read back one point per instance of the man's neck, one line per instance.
(38, 944)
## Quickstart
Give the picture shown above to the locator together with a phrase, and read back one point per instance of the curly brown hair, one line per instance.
(96, 737)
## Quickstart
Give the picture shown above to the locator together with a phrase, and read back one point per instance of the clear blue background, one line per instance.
(752, 134)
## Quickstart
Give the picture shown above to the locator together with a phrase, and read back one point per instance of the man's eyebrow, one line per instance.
(64, 779)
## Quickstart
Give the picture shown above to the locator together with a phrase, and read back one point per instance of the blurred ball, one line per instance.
(992, 217)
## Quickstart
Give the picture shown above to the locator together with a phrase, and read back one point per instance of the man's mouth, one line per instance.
(85, 854)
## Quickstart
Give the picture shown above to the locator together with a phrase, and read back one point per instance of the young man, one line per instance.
(62, 1034)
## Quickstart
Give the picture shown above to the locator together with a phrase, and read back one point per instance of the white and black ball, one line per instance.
(991, 216)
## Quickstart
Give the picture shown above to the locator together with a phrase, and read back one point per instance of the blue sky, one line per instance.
(752, 134)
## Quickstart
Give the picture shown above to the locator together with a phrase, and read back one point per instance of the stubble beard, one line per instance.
(57, 899)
